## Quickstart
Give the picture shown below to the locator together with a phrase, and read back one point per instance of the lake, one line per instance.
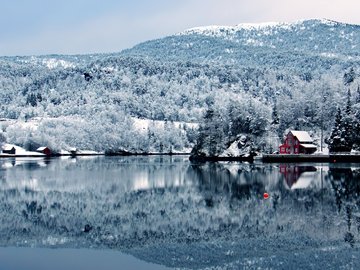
(161, 212)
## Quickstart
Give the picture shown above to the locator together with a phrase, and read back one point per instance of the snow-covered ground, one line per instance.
(264, 28)
(143, 124)
(20, 151)
(325, 151)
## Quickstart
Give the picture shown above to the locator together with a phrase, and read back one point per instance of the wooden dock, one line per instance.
(332, 158)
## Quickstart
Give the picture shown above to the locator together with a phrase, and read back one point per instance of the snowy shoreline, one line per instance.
(21, 152)
(92, 154)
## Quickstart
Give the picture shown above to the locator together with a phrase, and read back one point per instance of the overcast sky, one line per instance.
(33, 27)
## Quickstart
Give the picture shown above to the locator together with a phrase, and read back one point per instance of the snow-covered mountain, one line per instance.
(303, 44)
(322, 36)
(303, 66)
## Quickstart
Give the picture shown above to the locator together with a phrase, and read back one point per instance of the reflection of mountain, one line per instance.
(298, 177)
(213, 220)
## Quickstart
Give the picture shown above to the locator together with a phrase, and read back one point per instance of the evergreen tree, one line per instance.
(335, 137)
(348, 103)
(342, 135)
(211, 140)
(275, 116)
(348, 124)
(349, 77)
(2, 138)
(357, 100)
(347, 132)
(356, 124)
(356, 145)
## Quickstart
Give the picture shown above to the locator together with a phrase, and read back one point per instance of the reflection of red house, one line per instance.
(292, 174)
(44, 150)
(297, 142)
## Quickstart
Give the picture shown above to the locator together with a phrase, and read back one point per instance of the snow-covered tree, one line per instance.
(335, 141)
(211, 139)
(275, 116)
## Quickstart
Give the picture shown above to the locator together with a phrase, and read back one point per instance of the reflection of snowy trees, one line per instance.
(345, 133)
(346, 187)
(216, 203)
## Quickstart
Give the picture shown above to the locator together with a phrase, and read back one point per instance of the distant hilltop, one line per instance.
(258, 26)
(306, 44)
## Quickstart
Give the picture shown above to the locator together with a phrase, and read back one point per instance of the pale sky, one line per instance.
(35, 27)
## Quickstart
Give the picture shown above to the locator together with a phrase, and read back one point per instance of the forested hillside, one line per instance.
(255, 80)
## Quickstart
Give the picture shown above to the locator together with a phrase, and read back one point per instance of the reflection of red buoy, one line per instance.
(266, 195)
(334, 160)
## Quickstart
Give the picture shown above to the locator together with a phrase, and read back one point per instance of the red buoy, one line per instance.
(266, 195)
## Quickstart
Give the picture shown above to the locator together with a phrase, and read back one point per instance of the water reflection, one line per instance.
(227, 180)
(147, 205)
(297, 177)
(345, 183)
(96, 173)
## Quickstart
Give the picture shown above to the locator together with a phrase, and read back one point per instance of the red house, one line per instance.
(297, 142)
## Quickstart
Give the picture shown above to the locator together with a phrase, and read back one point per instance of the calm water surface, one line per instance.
(167, 212)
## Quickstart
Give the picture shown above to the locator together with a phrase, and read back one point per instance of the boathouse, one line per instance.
(9, 150)
(297, 142)
(44, 150)
(73, 152)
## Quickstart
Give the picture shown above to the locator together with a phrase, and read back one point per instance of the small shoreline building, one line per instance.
(44, 150)
(298, 142)
(9, 150)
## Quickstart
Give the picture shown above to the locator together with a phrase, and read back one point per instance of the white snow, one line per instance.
(302, 136)
(330, 55)
(143, 124)
(304, 180)
(260, 29)
(32, 124)
(308, 145)
(254, 42)
(88, 152)
(325, 151)
(64, 152)
(218, 30)
(232, 151)
(52, 63)
(258, 26)
(328, 22)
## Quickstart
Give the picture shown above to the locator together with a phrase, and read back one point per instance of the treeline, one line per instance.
(264, 128)
(221, 126)
(91, 103)
(345, 135)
